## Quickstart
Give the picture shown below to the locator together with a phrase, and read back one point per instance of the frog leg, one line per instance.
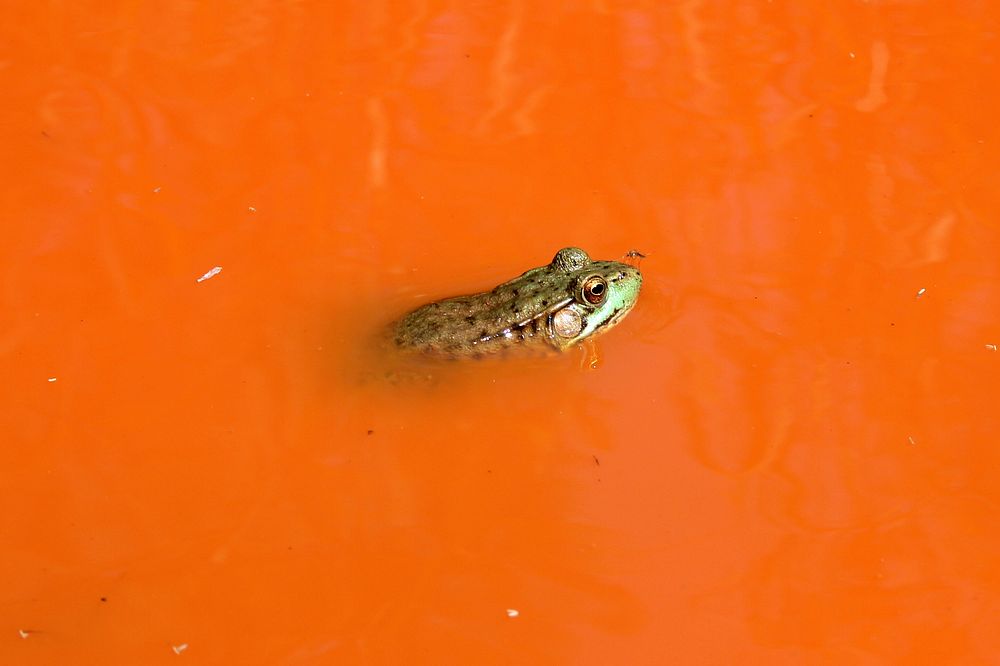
(590, 354)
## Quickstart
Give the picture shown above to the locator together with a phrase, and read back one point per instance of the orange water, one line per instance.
(787, 454)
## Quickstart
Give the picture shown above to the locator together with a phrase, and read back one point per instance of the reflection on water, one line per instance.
(783, 456)
(875, 97)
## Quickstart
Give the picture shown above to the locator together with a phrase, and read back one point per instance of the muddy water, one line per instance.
(786, 453)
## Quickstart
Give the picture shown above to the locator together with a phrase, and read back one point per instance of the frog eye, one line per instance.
(595, 290)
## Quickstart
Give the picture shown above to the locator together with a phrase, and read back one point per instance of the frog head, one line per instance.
(602, 293)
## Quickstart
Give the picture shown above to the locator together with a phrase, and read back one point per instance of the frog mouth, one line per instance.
(617, 315)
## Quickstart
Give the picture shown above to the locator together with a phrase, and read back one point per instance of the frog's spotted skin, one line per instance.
(558, 305)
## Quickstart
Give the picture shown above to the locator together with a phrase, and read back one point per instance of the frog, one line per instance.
(550, 308)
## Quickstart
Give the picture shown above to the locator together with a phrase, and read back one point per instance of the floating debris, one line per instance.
(990, 347)
(52, 379)
(212, 273)
(912, 441)
(22, 633)
(512, 613)
(920, 292)
(251, 209)
(156, 190)
(179, 648)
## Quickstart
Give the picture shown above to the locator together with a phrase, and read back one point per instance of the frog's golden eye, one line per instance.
(595, 290)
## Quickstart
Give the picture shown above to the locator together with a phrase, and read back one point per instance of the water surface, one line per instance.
(785, 455)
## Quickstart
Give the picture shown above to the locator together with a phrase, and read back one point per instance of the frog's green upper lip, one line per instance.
(619, 313)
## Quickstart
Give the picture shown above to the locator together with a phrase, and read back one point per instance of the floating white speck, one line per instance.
(921, 292)
(512, 613)
(156, 190)
(52, 379)
(251, 209)
(990, 347)
(179, 648)
(22, 633)
(851, 53)
(212, 273)
(912, 441)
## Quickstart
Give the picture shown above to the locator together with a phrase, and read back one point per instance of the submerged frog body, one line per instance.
(555, 306)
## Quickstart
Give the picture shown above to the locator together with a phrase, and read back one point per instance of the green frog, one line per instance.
(556, 306)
